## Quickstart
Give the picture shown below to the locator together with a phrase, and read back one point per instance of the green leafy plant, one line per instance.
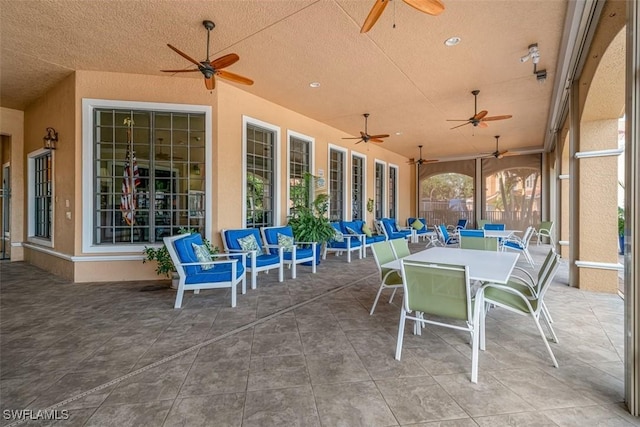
(620, 221)
(164, 266)
(309, 221)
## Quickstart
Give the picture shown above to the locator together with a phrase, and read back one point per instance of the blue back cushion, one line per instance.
(186, 254)
(232, 236)
(472, 233)
(271, 236)
(494, 227)
(354, 225)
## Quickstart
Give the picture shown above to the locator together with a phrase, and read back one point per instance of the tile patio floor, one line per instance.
(300, 353)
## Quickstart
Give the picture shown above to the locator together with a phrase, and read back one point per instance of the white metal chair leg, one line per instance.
(375, 302)
(400, 334)
(546, 312)
(546, 343)
(392, 294)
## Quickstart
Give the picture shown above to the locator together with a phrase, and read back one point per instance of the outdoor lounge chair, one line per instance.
(293, 252)
(517, 244)
(238, 241)
(390, 279)
(197, 271)
(342, 243)
(390, 229)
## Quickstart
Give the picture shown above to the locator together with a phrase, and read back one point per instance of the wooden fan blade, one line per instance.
(360, 141)
(464, 124)
(457, 120)
(488, 119)
(374, 14)
(210, 83)
(429, 161)
(356, 137)
(480, 115)
(376, 140)
(234, 77)
(430, 7)
(379, 136)
(482, 124)
(184, 55)
(178, 71)
(225, 61)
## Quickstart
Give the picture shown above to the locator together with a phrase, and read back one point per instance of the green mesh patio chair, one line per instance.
(383, 253)
(400, 247)
(524, 300)
(479, 243)
(444, 291)
(545, 230)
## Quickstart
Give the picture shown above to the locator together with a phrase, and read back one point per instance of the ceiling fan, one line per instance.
(498, 154)
(209, 69)
(479, 118)
(430, 7)
(420, 161)
(364, 136)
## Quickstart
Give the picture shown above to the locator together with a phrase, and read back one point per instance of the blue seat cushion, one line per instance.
(219, 273)
(514, 245)
(355, 243)
(301, 253)
(187, 255)
(374, 239)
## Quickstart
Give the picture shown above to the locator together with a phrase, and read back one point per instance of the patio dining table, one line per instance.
(485, 266)
(501, 234)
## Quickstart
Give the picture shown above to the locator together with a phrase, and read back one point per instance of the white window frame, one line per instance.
(247, 120)
(312, 143)
(88, 107)
(345, 185)
(363, 208)
(31, 198)
(383, 207)
(396, 198)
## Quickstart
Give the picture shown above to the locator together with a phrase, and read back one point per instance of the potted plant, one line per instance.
(621, 229)
(309, 221)
(164, 266)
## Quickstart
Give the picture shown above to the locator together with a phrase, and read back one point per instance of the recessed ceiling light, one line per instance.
(314, 84)
(398, 133)
(452, 41)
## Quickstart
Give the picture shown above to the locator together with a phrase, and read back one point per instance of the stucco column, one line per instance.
(597, 185)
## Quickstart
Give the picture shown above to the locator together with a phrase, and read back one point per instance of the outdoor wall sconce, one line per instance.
(50, 139)
(195, 169)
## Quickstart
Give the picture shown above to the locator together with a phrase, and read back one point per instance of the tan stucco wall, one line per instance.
(12, 126)
(62, 109)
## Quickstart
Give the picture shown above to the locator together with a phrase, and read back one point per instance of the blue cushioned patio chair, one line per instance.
(420, 232)
(390, 229)
(354, 228)
(446, 239)
(514, 243)
(461, 225)
(294, 252)
(196, 274)
(256, 260)
(342, 243)
(443, 291)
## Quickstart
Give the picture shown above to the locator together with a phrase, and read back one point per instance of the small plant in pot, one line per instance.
(309, 221)
(164, 266)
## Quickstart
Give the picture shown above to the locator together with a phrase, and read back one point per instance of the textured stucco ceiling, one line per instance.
(405, 77)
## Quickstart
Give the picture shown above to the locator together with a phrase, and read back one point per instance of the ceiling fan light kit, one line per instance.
(211, 69)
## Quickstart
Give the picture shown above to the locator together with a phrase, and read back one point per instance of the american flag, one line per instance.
(130, 180)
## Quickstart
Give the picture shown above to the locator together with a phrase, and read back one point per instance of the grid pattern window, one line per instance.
(42, 200)
(336, 185)
(379, 190)
(149, 175)
(393, 192)
(299, 166)
(357, 188)
(260, 177)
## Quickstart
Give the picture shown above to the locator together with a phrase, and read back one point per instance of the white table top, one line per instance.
(486, 266)
(503, 234)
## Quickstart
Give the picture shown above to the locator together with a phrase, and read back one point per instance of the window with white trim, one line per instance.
(379, 190)
(393, 192)
(357, 187)
(41, 200)
(260, 175)
(299, 167)
(337, 167)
